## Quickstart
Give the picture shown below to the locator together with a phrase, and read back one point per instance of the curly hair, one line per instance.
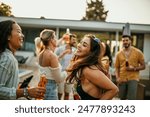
(108, 53)
(5, 32)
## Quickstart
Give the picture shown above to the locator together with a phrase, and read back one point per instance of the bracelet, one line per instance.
(26, 94)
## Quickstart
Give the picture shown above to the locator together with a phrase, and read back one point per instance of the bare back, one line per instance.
(48, 59)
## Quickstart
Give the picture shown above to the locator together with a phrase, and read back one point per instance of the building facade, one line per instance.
(109, 32)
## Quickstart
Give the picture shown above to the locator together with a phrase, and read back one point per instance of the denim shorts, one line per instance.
(51, 90)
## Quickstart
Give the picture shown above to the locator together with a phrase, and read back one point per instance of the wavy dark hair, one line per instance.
(108, 53)
(88, 61)
(5, 31)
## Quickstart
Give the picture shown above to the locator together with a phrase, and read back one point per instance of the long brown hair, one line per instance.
(92, 59)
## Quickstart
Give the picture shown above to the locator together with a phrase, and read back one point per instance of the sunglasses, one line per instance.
(97, 40)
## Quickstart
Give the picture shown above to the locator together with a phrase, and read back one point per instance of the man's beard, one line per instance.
(127, 46)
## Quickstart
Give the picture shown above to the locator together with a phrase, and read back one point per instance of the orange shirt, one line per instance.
(134, 58)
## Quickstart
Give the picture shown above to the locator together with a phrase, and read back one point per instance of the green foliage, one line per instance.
(95, 11)
(5, 10)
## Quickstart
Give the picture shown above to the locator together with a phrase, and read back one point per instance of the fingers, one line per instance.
(41, 91)
(40, 95)
(38, 92)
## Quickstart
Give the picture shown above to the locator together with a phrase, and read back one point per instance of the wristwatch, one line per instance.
(26, 94)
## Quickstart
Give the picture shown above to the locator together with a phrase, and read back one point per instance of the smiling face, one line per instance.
(15, 40)
(126, 42)
(83, 48)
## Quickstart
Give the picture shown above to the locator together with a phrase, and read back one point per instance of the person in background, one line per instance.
(87, 72)
(129, 61)
(65, 53)
(49, 64)
(11, 39)
(106, 57)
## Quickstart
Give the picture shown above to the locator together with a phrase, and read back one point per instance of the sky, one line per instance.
(132, 11)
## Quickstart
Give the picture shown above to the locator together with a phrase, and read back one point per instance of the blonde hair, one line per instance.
(38, 45)
(46, 35)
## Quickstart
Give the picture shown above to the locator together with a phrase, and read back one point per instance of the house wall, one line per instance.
(146, 48)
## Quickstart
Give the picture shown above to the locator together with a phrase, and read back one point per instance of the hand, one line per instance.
(37, 92)
(19, 85)
(67, 51)
(119, 81)
(66, 38)
(130, 68)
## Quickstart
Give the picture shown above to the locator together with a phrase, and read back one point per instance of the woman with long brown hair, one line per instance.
(88, 73)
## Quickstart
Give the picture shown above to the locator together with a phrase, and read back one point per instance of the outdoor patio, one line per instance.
(30, 67)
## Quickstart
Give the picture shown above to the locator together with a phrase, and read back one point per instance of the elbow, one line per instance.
(115, 90)
(110, 94)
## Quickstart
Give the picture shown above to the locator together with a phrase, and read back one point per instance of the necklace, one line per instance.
(127, 53)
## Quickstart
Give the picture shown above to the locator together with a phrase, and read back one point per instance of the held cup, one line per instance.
(42, 83)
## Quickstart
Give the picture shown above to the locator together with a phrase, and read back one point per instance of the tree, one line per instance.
(95, 11)
(5, 10)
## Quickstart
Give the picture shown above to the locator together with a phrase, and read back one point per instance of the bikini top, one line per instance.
(83, 94)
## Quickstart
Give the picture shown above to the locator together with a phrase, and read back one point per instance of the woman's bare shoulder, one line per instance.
(95, 76)
(51, 55)
(91, 70)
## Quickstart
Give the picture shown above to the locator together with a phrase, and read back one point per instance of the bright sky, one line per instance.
(132, 11)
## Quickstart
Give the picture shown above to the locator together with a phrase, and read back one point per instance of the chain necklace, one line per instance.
(127, 53)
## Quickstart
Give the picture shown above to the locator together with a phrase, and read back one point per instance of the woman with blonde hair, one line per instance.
(49, 64)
